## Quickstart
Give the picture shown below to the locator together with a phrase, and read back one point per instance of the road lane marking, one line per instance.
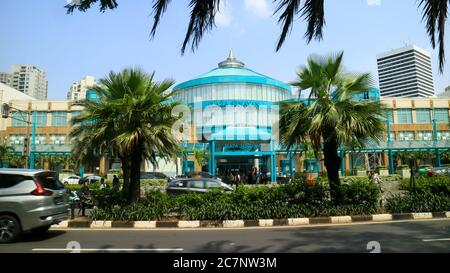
(109, 249)
(437, 240)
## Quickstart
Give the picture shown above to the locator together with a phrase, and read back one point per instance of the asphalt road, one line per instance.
(413, 236)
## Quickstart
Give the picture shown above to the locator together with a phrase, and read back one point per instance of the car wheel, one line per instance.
(9, 229)
(40, 230)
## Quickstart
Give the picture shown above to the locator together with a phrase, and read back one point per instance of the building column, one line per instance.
(273, 163)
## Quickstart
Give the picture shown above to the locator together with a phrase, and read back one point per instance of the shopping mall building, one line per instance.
(232, 113)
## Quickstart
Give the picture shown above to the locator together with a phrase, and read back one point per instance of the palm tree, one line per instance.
(131, 119)
(203, 12)
(333, 118)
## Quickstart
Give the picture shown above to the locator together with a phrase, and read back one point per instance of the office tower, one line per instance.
(405, 72)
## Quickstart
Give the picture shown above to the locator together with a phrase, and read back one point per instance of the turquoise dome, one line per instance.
(232, 71)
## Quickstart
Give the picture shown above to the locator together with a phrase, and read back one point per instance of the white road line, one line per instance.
(436, 240)
(108, 249)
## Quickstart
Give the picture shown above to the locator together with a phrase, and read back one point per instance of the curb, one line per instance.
(83, 224)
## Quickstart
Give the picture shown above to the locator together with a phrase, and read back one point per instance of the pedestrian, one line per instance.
(377, 181)
(103, 185)
(85, 197)
(116, 183)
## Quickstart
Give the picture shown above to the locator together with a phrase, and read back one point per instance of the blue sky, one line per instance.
(68, 47)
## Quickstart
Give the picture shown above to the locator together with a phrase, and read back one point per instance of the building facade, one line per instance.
(405, 73)
(5, 78)
(29, 80)
(78, 89)
(231, 112)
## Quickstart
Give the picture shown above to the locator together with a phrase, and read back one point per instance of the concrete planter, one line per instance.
(383, 172)
(360, 172)
(404, 173)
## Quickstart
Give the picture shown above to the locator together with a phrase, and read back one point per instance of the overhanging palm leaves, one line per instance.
(333, 117)
(203, 12)
(131, 120)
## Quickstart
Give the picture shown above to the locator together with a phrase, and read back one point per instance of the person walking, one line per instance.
(116, 183)
(377, 181)
(103, 185)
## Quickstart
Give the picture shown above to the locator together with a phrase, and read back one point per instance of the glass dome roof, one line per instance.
(232, 71)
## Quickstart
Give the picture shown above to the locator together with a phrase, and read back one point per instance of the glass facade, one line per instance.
(59, 119)
(441, 115)
(41, 119)
(425, 135)
(423, 116)
(404, 116)
(232, 91)
(19, 119)
(16, 139)
(41, 139)
(406, 136)
(443, 135)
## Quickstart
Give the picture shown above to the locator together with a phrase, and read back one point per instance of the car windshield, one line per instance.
(48, 180)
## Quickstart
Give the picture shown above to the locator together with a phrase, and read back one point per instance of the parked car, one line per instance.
(90, 179)
(199, 175)
(199, 185)
(30, 200)
(73, 179)
(440, 170)
(153, 175)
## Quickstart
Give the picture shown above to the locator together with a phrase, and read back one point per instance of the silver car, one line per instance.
(30, 200)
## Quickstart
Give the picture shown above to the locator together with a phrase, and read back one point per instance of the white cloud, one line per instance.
(223, 17)
(258, 7)
(373, 2)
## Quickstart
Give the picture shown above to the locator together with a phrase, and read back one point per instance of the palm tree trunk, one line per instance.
(332, 163)
(135, 176)
(126, 177)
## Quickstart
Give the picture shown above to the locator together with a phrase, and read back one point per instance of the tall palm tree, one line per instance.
(203, 12)
(333, 118)
(131, 119)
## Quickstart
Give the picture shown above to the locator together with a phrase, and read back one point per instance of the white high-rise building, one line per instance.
(30, 80)
(78, 89)
(405, 72)
(5, 78)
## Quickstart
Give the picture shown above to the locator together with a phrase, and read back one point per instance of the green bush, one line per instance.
(402, 167)
(108, 198)
(438, 184)
(360, 193)
(418, 202)
(153, 182)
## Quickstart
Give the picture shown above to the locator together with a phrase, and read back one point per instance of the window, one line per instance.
(58, 139)
(16, 139)
(41, 119)
(425, 135)
(197, 184)
(404, 116)
(8, 180)
(41, 139)
(392, 136)
(406, 136)
(423, 116)
(59, 119)
(441, 115)
(19, 119)
(443, 135)
(212, 184)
